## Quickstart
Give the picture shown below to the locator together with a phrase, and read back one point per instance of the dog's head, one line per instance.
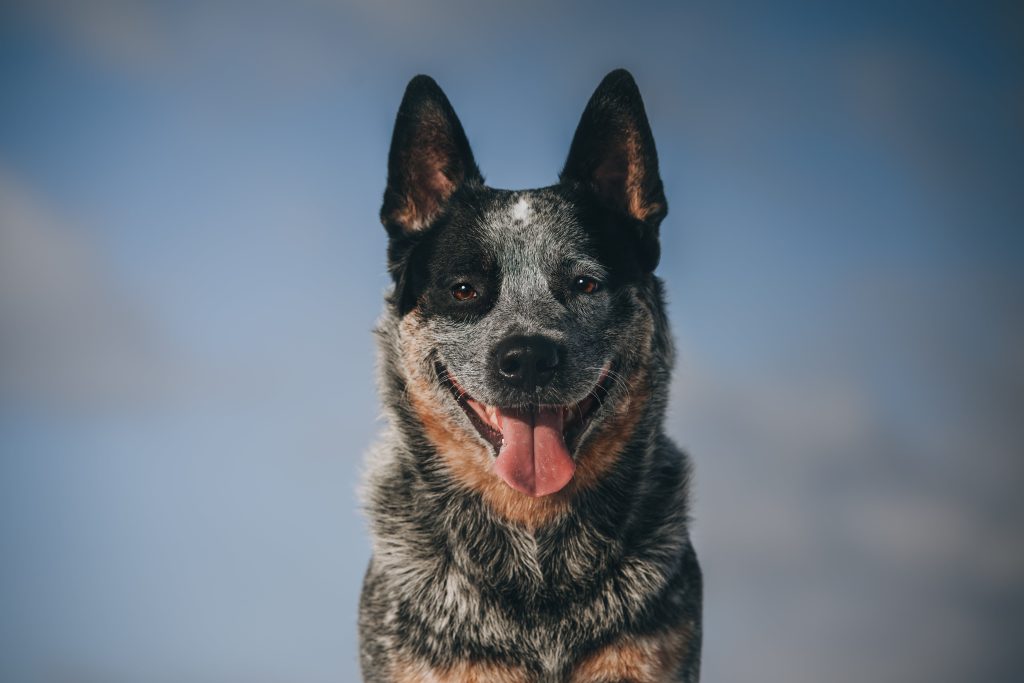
(526, 318)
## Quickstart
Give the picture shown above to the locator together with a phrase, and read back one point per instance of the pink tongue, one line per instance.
(533, 457)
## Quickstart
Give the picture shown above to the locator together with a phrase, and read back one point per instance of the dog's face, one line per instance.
(526, 314)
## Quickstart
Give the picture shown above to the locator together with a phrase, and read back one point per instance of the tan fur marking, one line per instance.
(636, 179)
(411, 671)
(624, 173)
(419, 210)
(646, 659)
(471, 464)
(434, 173)
(470, 461)
(465, 456)
(604, 451)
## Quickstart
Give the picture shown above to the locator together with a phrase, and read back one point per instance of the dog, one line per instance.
(529, 516)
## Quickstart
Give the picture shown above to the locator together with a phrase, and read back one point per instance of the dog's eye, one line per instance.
(586, 285)
(463, 292)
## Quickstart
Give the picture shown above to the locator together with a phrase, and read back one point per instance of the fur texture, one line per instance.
(472, 580)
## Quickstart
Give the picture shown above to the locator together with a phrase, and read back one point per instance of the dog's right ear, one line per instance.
(430, 159)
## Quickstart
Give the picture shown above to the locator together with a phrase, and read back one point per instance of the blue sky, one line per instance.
(191, 267)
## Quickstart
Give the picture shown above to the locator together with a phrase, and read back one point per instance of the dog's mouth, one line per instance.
(533, 443)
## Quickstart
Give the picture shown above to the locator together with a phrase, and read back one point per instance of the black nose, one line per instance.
(527, 362)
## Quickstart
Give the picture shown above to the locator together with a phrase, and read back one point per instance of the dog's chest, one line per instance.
(523, 596)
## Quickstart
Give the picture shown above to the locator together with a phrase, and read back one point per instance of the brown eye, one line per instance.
(463, 292)
(586, 285)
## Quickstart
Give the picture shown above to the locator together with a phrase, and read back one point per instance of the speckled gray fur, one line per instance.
(453, 581)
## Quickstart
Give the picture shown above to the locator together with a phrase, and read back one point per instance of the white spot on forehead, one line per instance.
(521, 210)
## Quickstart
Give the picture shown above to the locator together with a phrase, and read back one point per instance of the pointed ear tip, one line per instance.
(422, 87)
(421, 81)
(619, 86)
(621, 72)
(422, 94)
(619, 78)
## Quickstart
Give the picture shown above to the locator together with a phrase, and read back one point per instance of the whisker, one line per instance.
(617, 378)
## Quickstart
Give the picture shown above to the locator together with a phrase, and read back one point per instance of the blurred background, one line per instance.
(191, 266)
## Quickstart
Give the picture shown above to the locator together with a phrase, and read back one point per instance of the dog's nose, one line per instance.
(527, 362)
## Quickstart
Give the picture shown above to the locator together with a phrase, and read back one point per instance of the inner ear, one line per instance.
(613, 152)
(611, 179)
(430, 159)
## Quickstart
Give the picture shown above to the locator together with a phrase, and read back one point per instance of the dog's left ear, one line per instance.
(613, 156)
(429, 160)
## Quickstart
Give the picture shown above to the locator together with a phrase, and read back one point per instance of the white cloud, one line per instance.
(69, 336)
(823, 524)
